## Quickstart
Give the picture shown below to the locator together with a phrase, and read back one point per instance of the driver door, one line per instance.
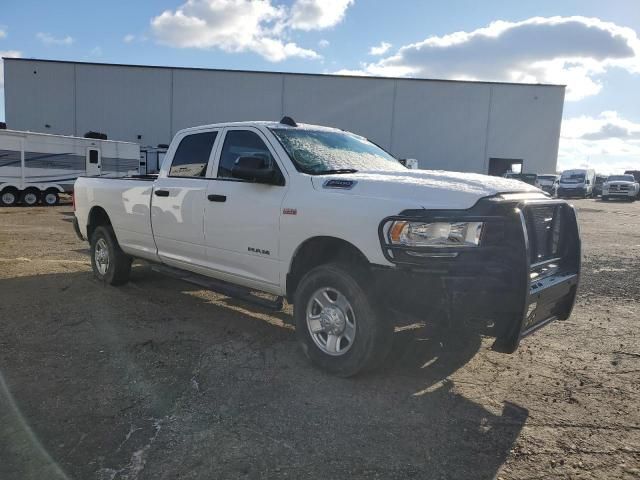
(242, 218)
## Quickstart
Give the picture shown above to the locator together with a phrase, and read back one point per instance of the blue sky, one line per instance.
(592, 46)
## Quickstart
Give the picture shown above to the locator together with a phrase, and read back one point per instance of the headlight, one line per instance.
(438, 234)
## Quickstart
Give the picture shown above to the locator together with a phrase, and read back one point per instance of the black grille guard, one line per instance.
(546, 289)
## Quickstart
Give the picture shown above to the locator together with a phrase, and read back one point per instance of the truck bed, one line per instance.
(126, 201)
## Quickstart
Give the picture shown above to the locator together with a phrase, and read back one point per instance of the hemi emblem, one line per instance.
(289, 211)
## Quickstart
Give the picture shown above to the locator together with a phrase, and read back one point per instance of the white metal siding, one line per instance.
(445, 125)
(202, 97)
(442, 124)
(39, 94)
(525, 123)
(124, 103)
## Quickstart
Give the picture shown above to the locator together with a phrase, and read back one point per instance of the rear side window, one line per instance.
(192, 155)
(242, 143)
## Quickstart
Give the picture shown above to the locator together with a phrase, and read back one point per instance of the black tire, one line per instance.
(605, 198)
(9, 197)
(51, 197)
(30, 197)
(373, 330)
(118, 266)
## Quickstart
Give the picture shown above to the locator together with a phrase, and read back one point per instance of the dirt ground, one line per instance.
(158, 379)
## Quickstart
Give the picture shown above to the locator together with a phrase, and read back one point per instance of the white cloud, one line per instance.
(48, 39)
(380, 49)
(323, 43)
(608, 142)
(7, 54)
(569, 50)
(3, 32)
(128, 38)
(317, 14)
(261, 27)
(96, 52)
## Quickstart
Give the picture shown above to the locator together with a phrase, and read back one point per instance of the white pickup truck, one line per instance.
(341, 229)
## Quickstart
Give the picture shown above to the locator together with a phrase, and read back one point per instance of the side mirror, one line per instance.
(253, 169)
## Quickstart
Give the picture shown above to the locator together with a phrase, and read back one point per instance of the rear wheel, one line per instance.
(51, 197)
(109, 263)
(9, 197)
(337, 324)
(30, 197)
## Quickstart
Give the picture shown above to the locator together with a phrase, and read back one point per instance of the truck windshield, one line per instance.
(621, 178)
(318, 152)
(572, 178)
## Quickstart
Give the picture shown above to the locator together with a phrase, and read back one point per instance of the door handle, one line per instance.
(161, 193)
(217, 198)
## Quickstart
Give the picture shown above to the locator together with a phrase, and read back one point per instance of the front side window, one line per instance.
(192, 155)
(318, 152)
(242, 143)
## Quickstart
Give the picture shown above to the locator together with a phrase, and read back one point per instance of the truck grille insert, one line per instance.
(544, 229)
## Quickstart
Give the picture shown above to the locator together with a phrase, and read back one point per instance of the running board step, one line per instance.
(219, 286)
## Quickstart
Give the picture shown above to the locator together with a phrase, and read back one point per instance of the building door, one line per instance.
(499, 166)
(94, 162)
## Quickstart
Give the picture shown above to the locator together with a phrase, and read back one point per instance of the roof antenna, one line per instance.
(288, 121)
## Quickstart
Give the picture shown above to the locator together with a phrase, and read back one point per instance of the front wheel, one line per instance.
(109, 263)
(337, 324)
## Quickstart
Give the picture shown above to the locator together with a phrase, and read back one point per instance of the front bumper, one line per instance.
(572, 192)
(620, 194)
(523, 276)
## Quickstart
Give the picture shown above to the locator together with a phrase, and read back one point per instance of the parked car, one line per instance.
(549, 183)
(343, 231)
(636, 175)
(620, 186)
(597, 186)
(577, 183)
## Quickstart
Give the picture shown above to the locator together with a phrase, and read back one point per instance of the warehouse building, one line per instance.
(471, 126)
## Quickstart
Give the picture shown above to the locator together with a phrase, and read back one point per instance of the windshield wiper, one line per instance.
(336, 170)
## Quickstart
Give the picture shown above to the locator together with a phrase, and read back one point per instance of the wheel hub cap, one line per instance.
(102, 256)
(331, 321)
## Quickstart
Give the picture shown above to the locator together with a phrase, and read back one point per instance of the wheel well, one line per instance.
(97, 218)
(317, 251)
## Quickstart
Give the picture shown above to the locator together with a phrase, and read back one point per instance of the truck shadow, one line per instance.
(96, 375)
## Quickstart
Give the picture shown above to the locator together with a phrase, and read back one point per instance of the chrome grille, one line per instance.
(618, 188)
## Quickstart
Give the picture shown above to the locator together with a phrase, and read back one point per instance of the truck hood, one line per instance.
(424, 188)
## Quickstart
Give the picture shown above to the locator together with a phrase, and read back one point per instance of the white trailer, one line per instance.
(37, 167)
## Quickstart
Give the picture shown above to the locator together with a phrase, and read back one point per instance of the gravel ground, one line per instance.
(158, 379)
